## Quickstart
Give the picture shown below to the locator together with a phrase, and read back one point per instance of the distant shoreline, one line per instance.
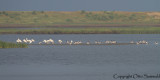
(79, 22)
(77, 18)
(82, 30)
(79, 26)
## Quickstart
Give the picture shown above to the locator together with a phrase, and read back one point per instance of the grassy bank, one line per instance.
(12, 45)
(53, 18)
(102, 30)
(79, 22)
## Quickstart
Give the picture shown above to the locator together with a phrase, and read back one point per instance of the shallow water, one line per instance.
(80, 62)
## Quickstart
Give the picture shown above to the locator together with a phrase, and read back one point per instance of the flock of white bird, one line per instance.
(25, 40)
(51, 41)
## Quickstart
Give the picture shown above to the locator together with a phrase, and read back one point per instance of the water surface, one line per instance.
(80, 62)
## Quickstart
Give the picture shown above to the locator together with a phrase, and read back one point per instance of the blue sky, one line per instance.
(76, 5)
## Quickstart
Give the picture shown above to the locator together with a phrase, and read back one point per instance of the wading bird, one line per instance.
(18, 40)
(88, 43)
(24, 41)
(60, 41)
(51, 40)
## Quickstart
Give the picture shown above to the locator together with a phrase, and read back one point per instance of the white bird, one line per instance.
(80, 42)
(88, 43)
(51, 40)
(60, 41)
(29, 41)
(18, 40)
(113, 42)
(137, 43)
(24, 41)
(32, 40)
(45, 41)
(71, 42)
(77, 42)
(107, 42)
(143, 42)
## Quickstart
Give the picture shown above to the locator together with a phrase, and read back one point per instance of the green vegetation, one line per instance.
(83, 11)
(51, 18)
(102, 30)
(69, 20)
(12, 45)
(80, 22)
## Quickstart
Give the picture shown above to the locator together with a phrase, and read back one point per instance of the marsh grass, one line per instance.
(12, 45)
(95, 30)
